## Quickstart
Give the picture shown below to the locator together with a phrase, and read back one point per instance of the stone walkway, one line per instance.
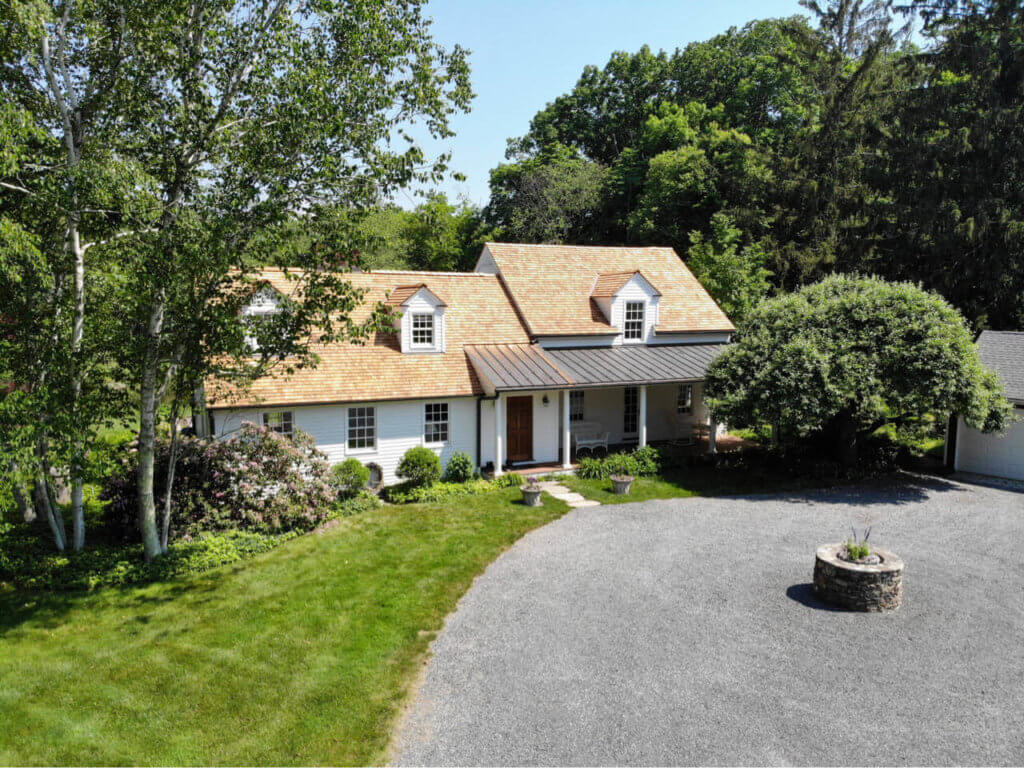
(562, 493)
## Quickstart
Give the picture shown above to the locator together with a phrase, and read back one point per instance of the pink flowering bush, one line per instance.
(256, 480)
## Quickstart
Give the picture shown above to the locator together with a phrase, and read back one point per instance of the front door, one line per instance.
(520, 428)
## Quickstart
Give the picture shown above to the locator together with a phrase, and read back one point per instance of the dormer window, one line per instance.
(633, 326)
(423, 330)
(261, 310)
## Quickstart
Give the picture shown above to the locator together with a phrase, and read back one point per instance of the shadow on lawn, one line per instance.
(47, 610)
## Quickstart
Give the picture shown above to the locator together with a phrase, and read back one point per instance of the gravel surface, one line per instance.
(684, 632)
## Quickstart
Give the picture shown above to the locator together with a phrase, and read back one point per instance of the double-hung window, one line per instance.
(631, 410)
(684, 400)
(280, 422)
(576, 405)
(435, 423)
(633, 327)
(362, 428)
(422, 330)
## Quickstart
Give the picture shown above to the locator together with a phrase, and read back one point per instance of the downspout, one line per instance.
(479, 422)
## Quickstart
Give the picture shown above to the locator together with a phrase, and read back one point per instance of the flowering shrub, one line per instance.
(257, 480)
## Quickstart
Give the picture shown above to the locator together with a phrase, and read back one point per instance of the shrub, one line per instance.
(460, 468)
(511, 480)
(648, 460)
(419, 466)
(28, 561)
(620, 464)
(258, 480)
(642, 461)
(590, 469)
(350, 477)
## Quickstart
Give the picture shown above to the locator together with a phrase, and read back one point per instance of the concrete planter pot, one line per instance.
(621, 484)
(531, 496)
(858, 586)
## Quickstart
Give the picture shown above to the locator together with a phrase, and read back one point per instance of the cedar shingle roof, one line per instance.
(552, 287)
(478, 311)
(1003, 352)
(609, 284)
(403, 293)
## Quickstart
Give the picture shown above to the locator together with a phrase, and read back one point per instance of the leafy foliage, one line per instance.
(258, 480)
(459, 469)
(350, 477)
(848, 355)
(420, 466)
(640, 462)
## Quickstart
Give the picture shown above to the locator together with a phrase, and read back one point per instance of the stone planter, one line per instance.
(855, 586)
(531, 496)
(621, 484)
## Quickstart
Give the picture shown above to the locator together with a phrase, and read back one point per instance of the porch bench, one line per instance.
(587, 435)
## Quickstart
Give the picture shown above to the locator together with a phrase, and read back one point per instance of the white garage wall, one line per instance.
(997, 455)
(399, 428)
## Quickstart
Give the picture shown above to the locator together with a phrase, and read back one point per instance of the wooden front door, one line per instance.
(520, 428)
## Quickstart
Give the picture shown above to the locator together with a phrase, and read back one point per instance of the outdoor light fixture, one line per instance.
(544, 400)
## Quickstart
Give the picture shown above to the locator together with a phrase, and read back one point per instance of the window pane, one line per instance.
(435, 428)
(278, 421)
(423, 330)
(633, 327)
(684, 403)
(362, 427)
(631, 414)
(576, 405)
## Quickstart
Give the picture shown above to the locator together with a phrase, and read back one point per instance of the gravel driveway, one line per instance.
(684, 632)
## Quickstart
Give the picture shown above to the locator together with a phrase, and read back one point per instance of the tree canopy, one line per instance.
(848, 355)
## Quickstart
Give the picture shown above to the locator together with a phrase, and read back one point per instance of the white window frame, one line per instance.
(413, 343)
(577, 405)
(287, 422)
(429, 422)
(629, 323)
(684, 399)
(349, 429)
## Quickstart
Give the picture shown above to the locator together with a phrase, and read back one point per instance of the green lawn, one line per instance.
(682, 483)
(302, 655)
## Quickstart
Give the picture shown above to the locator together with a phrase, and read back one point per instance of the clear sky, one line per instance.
(524, 53)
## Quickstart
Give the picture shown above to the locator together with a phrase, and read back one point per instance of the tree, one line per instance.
(552, 198)
(229, 118)
(848, 355)
(444, 237)
(734, 275)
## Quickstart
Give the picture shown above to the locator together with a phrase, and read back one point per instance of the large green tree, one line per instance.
(848, 355)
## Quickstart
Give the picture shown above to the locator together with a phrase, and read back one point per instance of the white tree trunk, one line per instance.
(149, 402)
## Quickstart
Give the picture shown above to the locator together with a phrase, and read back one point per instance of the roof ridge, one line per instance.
(585, 247)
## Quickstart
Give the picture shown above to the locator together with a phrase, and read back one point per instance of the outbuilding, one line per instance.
(1000, 454)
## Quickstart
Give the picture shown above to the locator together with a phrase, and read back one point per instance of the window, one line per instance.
(279, 421)
(633, 328)
(362, 428)
(684, 401)
(576, 405)
(631, 415)
(422, 330)
(435, 423)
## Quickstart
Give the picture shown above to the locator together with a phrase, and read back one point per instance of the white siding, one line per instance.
(636, 289)
(399, 428)
(1000, 455)
(421, 304)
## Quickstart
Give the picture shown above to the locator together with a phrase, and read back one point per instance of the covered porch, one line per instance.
(551, 406)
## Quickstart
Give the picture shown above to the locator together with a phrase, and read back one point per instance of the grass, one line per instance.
(683, 483)
(302, 655)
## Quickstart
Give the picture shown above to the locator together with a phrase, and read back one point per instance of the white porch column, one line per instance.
(642, 420)
(566, 433)
(712, 435)
(499, 434)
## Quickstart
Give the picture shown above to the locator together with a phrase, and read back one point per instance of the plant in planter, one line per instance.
(531, 492)
(621, 483)
(856, 549)
(858, 577)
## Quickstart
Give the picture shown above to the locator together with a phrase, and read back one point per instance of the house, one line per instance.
(543, 350)
(999, 455)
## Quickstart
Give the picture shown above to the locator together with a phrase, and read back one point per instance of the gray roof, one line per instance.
(1003, 352)
(528, 366)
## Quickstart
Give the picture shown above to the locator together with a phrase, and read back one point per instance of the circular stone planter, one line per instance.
(531, 496)
(855, 586)
(621, 483)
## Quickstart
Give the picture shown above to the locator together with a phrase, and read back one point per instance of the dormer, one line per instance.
(264, 304)
(629, 301)
(421, 321)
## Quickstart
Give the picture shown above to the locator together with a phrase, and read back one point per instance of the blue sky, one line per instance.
(527, 52)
